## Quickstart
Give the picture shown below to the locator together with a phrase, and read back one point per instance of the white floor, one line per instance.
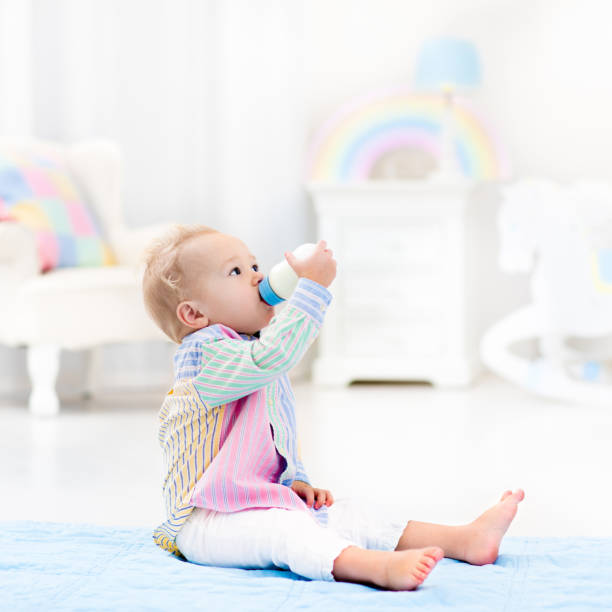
(433, 455)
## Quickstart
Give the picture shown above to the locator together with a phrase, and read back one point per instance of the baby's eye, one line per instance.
(236, 269)
(255, 268)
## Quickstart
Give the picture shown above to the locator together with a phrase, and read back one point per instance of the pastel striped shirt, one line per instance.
(227, 427)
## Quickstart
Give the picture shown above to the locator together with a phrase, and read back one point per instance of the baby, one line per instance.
(236, 492)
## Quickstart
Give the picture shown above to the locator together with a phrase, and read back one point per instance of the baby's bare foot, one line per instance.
(407, 569)
(487, 531)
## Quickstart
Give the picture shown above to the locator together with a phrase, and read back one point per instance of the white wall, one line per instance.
(213, 101)
(15, 62)
(545, 68)
(206, 94)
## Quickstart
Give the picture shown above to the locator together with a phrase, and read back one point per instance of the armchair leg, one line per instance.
(91, 377)
(43, 366)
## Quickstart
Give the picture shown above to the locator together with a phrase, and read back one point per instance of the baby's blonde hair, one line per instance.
(163, 278)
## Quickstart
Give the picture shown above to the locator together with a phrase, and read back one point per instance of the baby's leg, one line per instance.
(477, 543)
(395, 570)
(291, 539)
(373, 558)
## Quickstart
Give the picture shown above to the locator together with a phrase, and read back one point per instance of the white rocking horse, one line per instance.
(565, 234)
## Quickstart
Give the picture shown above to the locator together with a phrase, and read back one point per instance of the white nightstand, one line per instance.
(406, 294)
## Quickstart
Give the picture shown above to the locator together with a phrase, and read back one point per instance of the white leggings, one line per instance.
(289, 539)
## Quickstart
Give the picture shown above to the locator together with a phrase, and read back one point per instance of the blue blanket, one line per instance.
(51, 566)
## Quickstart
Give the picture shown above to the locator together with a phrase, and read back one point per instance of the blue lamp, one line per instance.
(444, 66)
(447, 64)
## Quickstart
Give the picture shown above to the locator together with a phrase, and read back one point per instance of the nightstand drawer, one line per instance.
(393, 241)
(397, 290)
(378, 340)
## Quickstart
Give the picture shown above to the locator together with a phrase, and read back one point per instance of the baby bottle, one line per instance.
(282, 280)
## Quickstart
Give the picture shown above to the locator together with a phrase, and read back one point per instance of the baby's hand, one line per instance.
(319, 267)
(320, 497)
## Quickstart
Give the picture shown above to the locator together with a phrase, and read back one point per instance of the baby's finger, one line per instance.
(320, 498)
(330, 498)
(290, 257)
(309, 497)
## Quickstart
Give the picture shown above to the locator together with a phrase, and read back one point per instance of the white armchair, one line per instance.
(74, 308)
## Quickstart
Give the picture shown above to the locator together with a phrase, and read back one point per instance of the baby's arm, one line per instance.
(234, 368)
(300, 471)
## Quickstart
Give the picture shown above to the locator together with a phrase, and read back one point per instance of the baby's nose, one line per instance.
(257, 278)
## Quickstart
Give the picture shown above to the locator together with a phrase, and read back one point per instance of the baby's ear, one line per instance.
(190, 315)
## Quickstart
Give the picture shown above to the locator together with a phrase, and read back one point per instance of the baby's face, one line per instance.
(221, 282)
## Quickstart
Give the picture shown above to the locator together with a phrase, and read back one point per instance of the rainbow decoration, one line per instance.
(601, 269)
(348, 145)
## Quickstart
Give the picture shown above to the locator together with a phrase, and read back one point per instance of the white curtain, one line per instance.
(15, 69)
